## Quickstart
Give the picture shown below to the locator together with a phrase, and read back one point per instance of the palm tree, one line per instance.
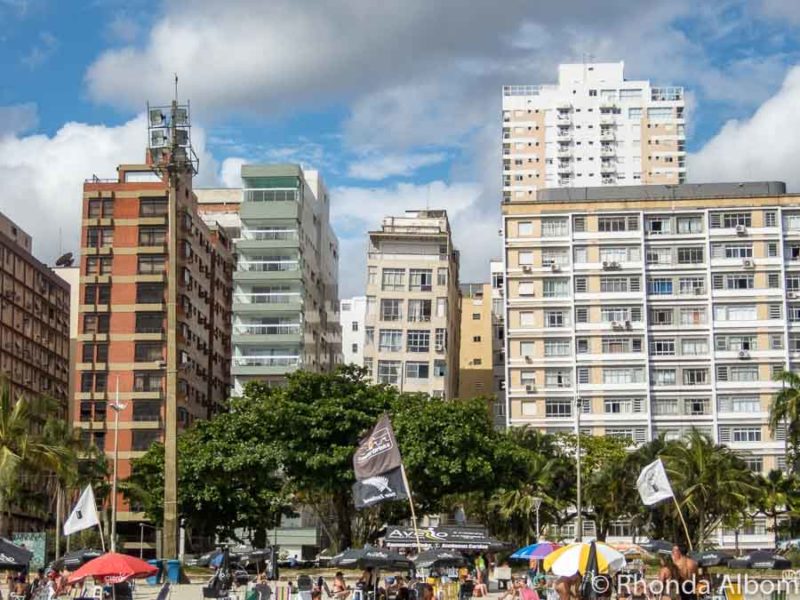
(776, 492)
(24, 449)
(785, 409)
(712, 480)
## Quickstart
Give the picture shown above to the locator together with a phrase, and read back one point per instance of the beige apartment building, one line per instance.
(592, 128)
(413, 304)
(641, 311)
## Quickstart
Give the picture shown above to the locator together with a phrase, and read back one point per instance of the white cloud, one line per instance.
(230, 172)
(43, 176)
(763, 147)
(123, 29)
(381, 166)
(41, 51)
(18, 118)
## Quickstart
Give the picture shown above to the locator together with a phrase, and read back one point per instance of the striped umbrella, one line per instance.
(538, 550)
(574, 558)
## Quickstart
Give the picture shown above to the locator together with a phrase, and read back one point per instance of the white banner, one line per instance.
(653, 484)
(84, 515)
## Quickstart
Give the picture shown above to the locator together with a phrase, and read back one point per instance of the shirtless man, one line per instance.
(686, 570)
(567, 587)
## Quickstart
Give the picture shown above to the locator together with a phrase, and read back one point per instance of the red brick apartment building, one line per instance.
(122, 337)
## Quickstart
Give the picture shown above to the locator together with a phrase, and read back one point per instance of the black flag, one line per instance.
(378, 452)
(379, 488)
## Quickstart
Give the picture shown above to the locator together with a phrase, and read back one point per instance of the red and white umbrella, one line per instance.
(114, 568)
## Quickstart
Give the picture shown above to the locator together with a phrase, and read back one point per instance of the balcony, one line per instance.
(269, 234)
(564, 168)
(564, 133)
(608, 150)
(268, 265)
(564, 151)
(270, 195)
(270, 364)
(267, 329)
(608, 167)
(607, 134)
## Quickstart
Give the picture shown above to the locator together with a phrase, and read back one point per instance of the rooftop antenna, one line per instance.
(176, 87)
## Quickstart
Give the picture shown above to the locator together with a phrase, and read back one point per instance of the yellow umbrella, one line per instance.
(573, 559)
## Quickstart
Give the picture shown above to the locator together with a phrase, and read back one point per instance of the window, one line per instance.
(526, 349)
(354, 348)
(732, 220)
(659, 287)
(615, 314)
(419, 311)
(417, 370)
(94, 381)
(690, 255)
(153, 207)
(98, 265)
(618, 284)
(369, 336)
(583, 375)
(368, 365)
(736, 342)
(148, 351)
(772, 249)
(476, 338)
(696, 406)
(97, 294)
(581, 255)
(100, 208)
(389, 371)
(554, 227)
(618, 406)
(418, 341)
(441, 276)
(420, 280)
(439, 368)
(665, 347)
(393, 280)
(555, 256)
(688, 225)
(610, 224)
(99, 236)
(372, 275)
(390, 340)
(557, 347)
(441, 339)
(557, 408)
(391, 309)
(661, 316)
(526, 288)
(739, 282)
(746, 434)
(691, 286)
(152, 263)
(748, 373)
(695, 377)
(660, 113)
(735, 250)
(146, 410)
(149, 293)
(660, 255)
(526, 319)
(692, 316)
(579, 224)
(95, 323)
(658, 225)
(619, 375)
(739, 404)
(776, 342)
(152, 236)
(149, 322)
(95, 352)
(619, 254)
(694, 346)
(555, 287)
(441, 307)
(476, 316)
(525, 229)
(142, 439)
(147, 381)
(755, 464)
(735, 312)
(557, 378)
(582, 315)
(616, 345)
(580, 285)
(664, 377)
(774, 311)
(582, 346)
(554, 318)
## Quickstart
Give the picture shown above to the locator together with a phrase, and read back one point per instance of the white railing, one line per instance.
(266, 298)
(268, 265)
(270, 195)
(269, 234)
(266, 328)
(266, 361)
(666, 93)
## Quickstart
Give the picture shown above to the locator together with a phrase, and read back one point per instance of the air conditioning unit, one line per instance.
(616, 325)
(555, 268)
(791, 294)
(528, 359)
(744, 354)
(628, 325)
(526, 268)
(741, 230)
(530, 388)
(698, 291)
(605, 264)
(613, 265)
(748, 263)
(440, 347)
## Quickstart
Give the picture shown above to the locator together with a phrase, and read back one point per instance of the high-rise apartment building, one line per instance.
(413, 304)
(353, 317)
(125, 261)
(592, 128)
(285, 299)
(34, 332)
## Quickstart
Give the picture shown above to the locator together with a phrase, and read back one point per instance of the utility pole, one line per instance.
(117, 407)
(579, 524)
(173, 157)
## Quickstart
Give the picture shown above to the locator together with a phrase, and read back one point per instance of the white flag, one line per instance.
(84, 515)
(653, 483)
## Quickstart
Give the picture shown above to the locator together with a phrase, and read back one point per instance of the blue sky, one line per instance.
(396, 102)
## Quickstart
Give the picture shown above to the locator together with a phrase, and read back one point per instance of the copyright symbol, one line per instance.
(600, 584)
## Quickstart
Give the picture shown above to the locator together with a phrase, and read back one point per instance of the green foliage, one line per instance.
(785, 409)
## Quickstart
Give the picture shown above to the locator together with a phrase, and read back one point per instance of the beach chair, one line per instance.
(733, 591)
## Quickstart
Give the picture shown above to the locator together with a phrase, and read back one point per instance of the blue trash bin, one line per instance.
(155, 579)
(174, 571)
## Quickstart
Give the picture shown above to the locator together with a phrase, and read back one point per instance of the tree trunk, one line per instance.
(343, 521)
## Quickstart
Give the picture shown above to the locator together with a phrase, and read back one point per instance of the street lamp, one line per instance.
(117, 407)
(537, 503)
(578, 409)
(142, 525)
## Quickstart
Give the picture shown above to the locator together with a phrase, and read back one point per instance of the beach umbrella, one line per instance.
(574, 558)
(13, 556)
(378, 558)
(75, 559)
(658, 546)
(760, 559)
(538, 550)
(710, 558)
(630, 549)
(114, 568)
(439, 557)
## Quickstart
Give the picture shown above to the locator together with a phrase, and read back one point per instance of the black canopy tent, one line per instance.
(14, 557)
(452, 538)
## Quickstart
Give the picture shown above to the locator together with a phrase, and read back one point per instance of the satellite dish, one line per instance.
(65, 260)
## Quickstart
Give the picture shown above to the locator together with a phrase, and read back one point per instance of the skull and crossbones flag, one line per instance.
(653, 484)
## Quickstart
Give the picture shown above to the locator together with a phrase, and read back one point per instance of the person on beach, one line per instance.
(686, 573)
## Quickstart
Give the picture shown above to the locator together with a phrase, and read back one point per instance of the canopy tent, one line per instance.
(440, 557)
(75, 559)
(13, 556)
(711, 558)
(378, 558)
(454, 538)
(760, 559)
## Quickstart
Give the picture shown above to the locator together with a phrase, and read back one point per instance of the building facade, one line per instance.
(34, 333)
(645, 311)
(475, 376)
(498, 342)
(592, 128)
(353, 317)
(413, 304)
(124, 263)
(285, 298)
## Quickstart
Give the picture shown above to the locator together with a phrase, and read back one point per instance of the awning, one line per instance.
(457, 538)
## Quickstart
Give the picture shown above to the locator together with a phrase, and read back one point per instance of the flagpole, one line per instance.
(411, 504)
(685, 528)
